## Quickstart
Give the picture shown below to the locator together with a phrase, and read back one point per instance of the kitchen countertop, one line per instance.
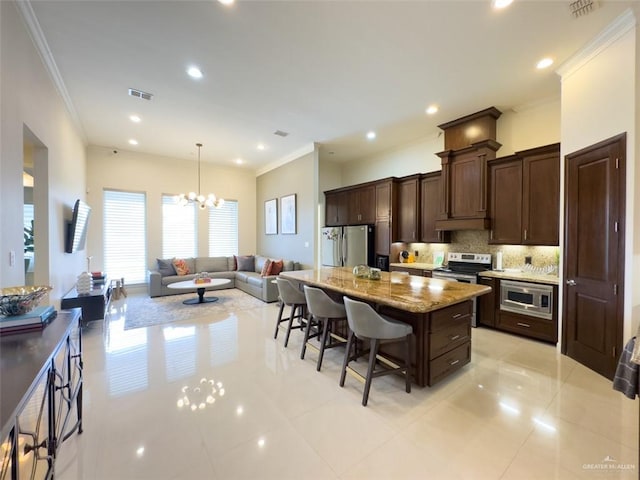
(522, 276)
(404, 292)
(416, 265)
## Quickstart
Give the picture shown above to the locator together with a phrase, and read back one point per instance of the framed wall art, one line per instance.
(271, 217)
(288, 214)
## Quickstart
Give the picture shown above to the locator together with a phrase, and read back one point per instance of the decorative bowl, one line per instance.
(21, 300)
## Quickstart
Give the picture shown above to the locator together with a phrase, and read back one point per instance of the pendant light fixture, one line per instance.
(192, 197)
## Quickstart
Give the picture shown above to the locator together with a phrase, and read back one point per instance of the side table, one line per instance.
(93, 304)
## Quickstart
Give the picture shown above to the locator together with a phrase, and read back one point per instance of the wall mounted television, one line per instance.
(77, 228)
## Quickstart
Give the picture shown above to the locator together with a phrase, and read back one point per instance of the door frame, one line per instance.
(622, 199)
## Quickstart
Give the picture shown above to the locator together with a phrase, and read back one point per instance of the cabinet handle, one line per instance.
(524, 325)
(457, 315)
(491, 235)
(525, 233)
(454, 337)
(28, 448)
(454, 362)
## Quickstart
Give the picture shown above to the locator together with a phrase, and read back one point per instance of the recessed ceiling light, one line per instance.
(133, 141)
(371, 135)
(261, 146)
(431, 109)
(135, 119)
(239, 161)
(501, 3)
(226, 2)
(194, 72)
(544, 63)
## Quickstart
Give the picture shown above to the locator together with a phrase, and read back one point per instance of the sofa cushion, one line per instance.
(276, 267)
(177, 278)
(181, 266)
(211, 264)
(246, 263)
(231, 263)
(242, 276)
(254, 280)
(259, 263)
(266, 268)
(165, 266)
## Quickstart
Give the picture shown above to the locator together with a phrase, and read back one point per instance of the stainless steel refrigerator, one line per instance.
(347, 246)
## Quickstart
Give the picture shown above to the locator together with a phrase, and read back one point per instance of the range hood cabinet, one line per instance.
(469, 142)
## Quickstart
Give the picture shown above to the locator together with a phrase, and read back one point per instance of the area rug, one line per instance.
(143, 311)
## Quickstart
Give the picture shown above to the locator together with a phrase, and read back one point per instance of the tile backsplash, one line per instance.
(477, 241)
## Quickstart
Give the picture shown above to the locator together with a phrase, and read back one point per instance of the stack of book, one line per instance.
(36, 319)
(98, 278)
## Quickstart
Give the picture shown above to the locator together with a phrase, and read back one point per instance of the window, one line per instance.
(223, 229)
(178, 229)
(124, 232)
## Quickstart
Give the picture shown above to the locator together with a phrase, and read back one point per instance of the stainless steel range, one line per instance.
(464, 267)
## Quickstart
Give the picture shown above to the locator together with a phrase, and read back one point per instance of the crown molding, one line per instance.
(618, 28)
(40, 42)
(307, 149)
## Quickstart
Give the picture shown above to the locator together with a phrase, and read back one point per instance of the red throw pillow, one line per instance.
(276, 267)
(266, 268)
(181, 266)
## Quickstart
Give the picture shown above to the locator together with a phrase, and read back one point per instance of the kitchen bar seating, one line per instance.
(323, 314)
(367, 325)
(294, 298)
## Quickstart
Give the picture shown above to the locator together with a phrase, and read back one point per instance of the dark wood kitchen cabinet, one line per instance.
(409, 209)
(463, 203)
(469, 143)
(350, 206)
(385, 204)
(525, 197)
(541, 195)
(505, 205)
(361, 205)
(488, 303)
(336, 208)
(430, 192)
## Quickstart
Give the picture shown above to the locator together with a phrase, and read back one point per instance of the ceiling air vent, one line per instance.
(582, 7)
(140, 94)
(280, 133)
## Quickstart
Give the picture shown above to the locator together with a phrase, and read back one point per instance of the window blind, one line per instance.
(179, 233)
(223, 229)
(124, 231)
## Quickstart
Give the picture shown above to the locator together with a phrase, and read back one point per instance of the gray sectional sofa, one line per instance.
(248, 280)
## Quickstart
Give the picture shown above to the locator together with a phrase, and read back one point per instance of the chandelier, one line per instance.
(197, 198)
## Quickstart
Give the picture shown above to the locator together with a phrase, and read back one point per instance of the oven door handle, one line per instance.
(520, 304)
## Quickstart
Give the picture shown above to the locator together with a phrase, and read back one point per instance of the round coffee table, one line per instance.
(199, 288)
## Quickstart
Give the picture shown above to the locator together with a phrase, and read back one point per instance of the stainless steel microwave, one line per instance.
(531, 299)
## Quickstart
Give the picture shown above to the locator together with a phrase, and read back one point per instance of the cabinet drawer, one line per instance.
(529, 326)
(443, 340)
(449, 362)
(442, 318)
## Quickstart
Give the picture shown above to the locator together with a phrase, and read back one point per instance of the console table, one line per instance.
(40, 390)
(93, 304)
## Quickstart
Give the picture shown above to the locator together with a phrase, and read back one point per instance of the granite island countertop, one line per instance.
(404, 292)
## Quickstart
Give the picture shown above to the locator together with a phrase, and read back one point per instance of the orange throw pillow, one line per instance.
(266, 268)
(181, 266)
(276, 267)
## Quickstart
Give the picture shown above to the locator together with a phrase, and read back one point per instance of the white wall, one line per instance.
(296, 177)
(29, 98)
(599, 101)
(154, 175)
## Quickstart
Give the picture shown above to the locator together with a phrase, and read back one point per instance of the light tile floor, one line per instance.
(519, 410)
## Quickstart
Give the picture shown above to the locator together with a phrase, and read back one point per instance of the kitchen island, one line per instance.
(438, 310)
